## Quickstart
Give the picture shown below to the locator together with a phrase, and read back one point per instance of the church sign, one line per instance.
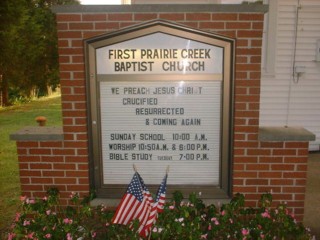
(161, 95)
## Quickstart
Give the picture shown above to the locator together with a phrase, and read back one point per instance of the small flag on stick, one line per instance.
(157, 207)
(137, 203)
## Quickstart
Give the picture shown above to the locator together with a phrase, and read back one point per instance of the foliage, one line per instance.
(45, 219)
(28, 41)
(13, 119)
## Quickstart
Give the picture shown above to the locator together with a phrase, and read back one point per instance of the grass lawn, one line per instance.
(11, 120)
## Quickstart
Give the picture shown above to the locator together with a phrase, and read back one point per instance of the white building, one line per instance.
(290, 84)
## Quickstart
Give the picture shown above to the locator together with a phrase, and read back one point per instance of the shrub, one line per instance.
(192, 219)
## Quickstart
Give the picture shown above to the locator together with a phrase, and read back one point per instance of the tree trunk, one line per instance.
(4, 94)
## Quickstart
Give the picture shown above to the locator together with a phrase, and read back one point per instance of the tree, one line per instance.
(29, 59)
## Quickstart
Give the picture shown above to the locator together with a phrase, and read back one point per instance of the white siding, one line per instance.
(283, 100)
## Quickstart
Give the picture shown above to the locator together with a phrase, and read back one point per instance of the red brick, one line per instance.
(295, 174)
(296, 144)
(238, 25)
(53, 173)
(77, 159)
(302, 168)
(212, 25)
(245, 144)
(94, 17)
(40, 151)
(270, 174)
(248, 51)
(242, 59)
(257, 181)
(257, 167)
(69, 34)
(68, 17)
(41, 180)
(73, 98)
(172, 16)
(257, 25)
(294, 189)
(21, 144)
(144, 16)
(68, 52)
(77, 144)
(245, 174)
(281, 182)
(269, 189)
(77, 59)
(62, 26)
(52, 159)
(249, 98)
(78, 187)
(81, 26)
(256, 43)
(255, 59)
(40, 166)
(270, 159)
(64, 166)
(284, 152)
(107, 25)
(244, 189)
(198, 16)
(29, 173)
(65, 180)
(63, 151)
(251, 17)
(301, 182)
(282, 167)
(27, 158)
(259, 152)
(120, 17)
(224, 16)
(89, 34)
(295, 159)
(246, 159)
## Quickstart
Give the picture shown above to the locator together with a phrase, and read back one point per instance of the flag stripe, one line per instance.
(137, 203)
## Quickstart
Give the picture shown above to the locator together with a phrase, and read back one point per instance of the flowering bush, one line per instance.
(44, 219)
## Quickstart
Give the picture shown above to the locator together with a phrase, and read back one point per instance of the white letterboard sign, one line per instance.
(154, 124)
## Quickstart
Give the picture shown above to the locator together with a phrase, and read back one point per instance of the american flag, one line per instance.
(157, 207)
(137, 203)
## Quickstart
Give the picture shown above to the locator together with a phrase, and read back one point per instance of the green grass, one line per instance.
(11, 120)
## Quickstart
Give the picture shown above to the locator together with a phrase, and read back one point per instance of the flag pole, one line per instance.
(135, 168)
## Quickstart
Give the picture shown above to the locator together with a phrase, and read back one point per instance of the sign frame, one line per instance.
(115, 191)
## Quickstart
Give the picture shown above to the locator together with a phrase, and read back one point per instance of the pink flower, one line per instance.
(18, 215)
(262, 236)
(48, 212)
(209, 227)
(67, 221)
(30, 235)
(11, 236)
(23, 198)
(93, 235)
(171, 207)
(26, 223)
(69, 237)
(204, 236)
(223, 213)
(231, 220)
(266, 214)
(48, 236)
(245, 232)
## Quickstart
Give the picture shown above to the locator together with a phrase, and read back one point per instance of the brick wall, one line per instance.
(258, 167)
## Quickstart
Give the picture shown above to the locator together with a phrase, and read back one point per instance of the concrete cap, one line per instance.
(38, 134)
(285, 133)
